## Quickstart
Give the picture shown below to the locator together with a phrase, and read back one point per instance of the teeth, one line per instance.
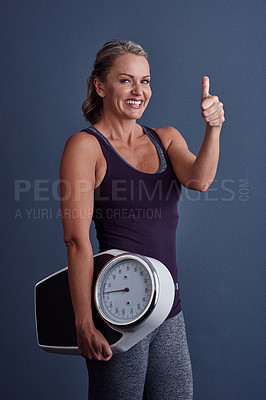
(135, 103)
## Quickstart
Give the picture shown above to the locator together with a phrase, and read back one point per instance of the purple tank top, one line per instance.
(137, 211)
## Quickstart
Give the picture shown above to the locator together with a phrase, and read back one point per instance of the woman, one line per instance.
(128, 179)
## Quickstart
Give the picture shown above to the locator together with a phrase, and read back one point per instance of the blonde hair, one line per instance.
(93, 105)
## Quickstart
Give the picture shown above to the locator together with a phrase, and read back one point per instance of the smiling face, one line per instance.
(126, 91)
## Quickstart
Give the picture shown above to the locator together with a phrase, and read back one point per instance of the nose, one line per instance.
(136, 89)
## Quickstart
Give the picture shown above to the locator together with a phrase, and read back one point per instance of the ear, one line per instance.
(99, 87)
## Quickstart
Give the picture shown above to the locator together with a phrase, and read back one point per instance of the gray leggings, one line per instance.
(156, 368)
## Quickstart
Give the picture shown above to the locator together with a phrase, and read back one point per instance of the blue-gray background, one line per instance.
(47, 52)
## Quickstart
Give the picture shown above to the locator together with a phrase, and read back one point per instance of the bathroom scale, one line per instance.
(132, 295)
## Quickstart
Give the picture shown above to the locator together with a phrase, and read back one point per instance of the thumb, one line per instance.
(107, 351)
(205, 87)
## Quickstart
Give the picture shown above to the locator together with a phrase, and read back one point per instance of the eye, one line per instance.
(146, 81)
(125, 80)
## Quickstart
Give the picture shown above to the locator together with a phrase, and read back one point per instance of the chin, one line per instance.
(135, 114)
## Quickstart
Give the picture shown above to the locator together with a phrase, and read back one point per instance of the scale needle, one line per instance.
(120, 290)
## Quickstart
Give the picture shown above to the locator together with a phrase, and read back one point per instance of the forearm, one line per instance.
(205, 165)
(80, 273)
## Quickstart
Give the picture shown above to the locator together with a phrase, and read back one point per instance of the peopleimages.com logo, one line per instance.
(37, 191)
(44, 190)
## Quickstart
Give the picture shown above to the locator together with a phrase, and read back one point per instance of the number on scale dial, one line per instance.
(124, 291)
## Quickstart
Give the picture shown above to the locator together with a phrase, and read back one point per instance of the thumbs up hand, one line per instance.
(212, 108)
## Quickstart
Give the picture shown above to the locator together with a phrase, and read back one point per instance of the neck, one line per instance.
(118, 129)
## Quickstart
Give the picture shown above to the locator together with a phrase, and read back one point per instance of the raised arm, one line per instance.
(77, 181)
(197, 172)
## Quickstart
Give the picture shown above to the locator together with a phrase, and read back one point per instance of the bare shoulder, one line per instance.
(83, 146)
(81, 153)
(82, 141)
(170, 135)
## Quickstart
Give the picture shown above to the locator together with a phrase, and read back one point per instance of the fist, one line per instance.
(212, 108)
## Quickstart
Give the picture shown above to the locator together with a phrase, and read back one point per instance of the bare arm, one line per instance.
(197, 172)
(77, 180)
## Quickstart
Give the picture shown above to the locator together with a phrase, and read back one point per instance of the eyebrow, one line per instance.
(132, 76)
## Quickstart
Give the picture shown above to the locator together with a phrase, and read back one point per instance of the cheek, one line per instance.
(148, 93)
(114, 95)
(121, 93)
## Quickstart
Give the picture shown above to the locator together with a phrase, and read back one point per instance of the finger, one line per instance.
(101, 356)
(217, 122)
(205, 87)
(209, 101)
(97, 353)
(215, 107)
(214, 117)
(107, 358)
(87, 354)
(106, 351)
(217, 114)
(97, 357)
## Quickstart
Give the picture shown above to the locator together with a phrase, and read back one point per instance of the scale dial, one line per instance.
(125, 290)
